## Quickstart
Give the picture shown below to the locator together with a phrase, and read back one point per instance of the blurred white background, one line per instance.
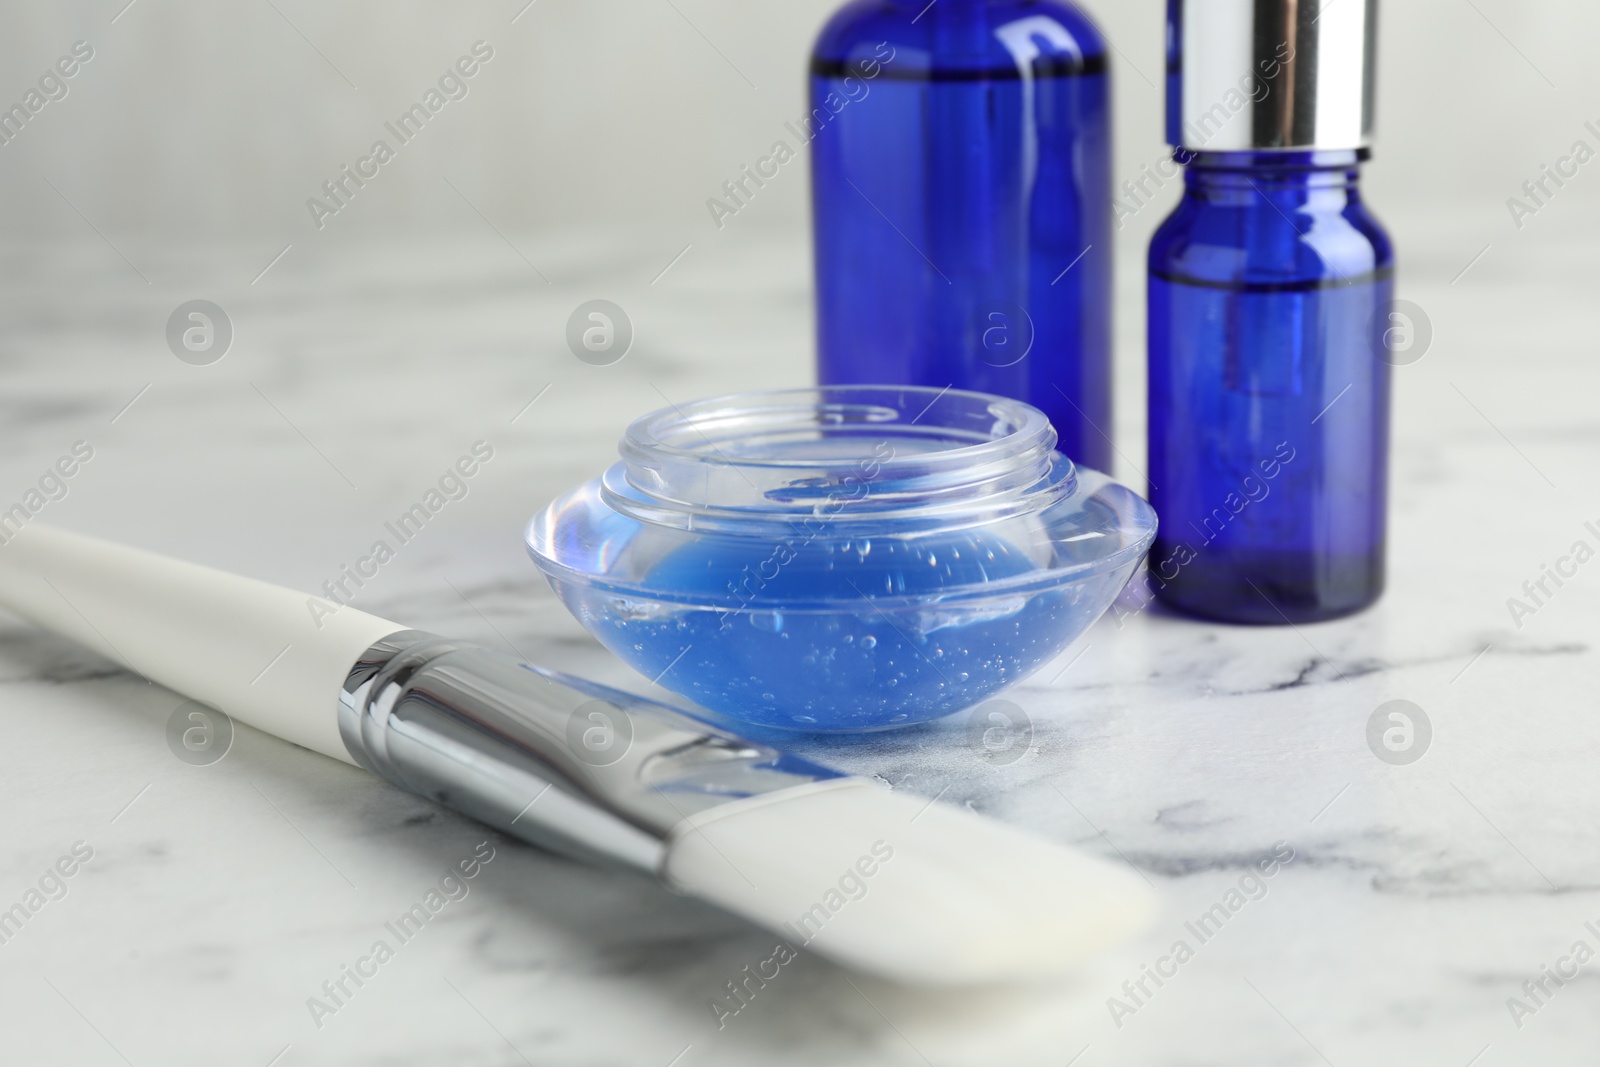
(579, 164)
(204, 120)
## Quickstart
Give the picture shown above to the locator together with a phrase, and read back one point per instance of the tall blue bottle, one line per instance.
(1269, 297)
(962, 206)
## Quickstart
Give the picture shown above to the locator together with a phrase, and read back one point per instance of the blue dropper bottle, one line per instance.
(1269, 294)
(962, 207)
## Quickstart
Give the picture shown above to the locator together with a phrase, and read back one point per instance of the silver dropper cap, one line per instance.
(1246, 75)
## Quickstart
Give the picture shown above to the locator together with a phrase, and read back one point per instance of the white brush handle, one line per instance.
(254, 650)
(768, 836)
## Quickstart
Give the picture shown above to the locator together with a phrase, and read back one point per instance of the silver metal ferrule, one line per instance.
(1246, 75)
(559, 762)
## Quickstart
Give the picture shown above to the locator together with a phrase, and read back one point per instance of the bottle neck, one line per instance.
(1301, 178)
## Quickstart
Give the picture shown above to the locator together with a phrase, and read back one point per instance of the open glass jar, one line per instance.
(841, 558)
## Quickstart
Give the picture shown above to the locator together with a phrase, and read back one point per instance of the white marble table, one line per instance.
(219, 898)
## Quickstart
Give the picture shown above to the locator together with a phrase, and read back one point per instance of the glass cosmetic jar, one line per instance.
(841, 558)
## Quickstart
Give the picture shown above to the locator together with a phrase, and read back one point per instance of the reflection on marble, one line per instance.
(1419, 898)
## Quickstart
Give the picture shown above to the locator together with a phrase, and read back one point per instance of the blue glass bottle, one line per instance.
(962, 205)
(1269, 292)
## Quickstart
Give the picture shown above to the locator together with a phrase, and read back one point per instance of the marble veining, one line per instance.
(1419, 899)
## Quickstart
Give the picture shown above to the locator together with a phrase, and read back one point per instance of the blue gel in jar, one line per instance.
(841, 558)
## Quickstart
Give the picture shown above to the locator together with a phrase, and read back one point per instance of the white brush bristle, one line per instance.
(923, 894)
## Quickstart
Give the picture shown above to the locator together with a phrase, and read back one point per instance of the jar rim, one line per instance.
(883, 449)
(646, 434)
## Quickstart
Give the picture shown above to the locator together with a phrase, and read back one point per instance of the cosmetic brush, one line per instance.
(912, 890)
